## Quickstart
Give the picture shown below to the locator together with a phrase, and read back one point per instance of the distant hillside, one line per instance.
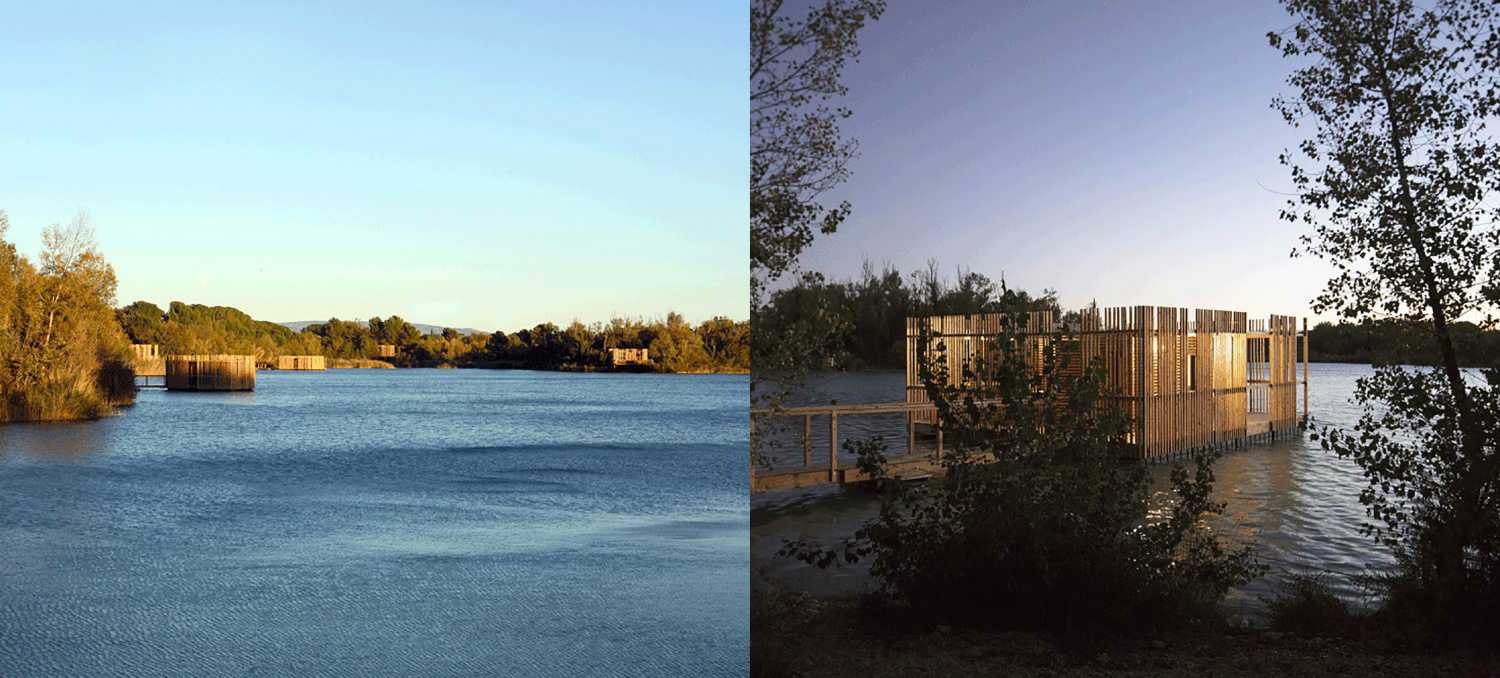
(297, 325)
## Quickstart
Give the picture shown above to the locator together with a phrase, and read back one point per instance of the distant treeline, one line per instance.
(1401, 342)
(861, 322)
(674, 345)
(62, 355)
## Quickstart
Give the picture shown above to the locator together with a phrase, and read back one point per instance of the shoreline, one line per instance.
(449, 366)
(793, 633)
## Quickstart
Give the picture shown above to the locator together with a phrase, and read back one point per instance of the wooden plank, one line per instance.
(833, 447)
(807, 440)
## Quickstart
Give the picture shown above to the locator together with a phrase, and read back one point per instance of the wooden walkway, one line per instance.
(913, 462)
(921, 458)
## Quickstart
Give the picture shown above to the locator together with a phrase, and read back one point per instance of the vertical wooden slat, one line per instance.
(807, 440)
(1306, 357)
(833, 447)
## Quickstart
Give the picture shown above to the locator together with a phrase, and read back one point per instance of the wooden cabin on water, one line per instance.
(1188, 381)
(629, 357)
(148, 360)
(385, 350)
(301, 363)
(210, 372)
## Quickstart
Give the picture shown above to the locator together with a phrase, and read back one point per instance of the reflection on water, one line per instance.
(383, 522)
(1299, 504)
(54, 441)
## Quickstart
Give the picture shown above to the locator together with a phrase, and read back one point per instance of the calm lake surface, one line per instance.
(384, 522)
(1299, 504)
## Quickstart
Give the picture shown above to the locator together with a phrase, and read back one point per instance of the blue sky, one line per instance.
(1118, 151)
(481, 164)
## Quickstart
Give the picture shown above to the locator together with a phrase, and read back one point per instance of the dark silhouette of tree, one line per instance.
(796, 149)
(1397, 182)
(861, 323)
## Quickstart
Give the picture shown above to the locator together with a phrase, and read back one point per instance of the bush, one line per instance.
(62, 353)
(1040, 521)
(1307, 605)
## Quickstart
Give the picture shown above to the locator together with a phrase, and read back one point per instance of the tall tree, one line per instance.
(797, 151)
(64, 354)
(1397, 182)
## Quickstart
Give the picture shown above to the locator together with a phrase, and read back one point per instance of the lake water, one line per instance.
(1299, 504)
(384, 522)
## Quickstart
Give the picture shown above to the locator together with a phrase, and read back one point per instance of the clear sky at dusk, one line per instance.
(481, 164)
(1124, 152)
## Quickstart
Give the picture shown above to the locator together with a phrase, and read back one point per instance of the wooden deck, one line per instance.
(921, 457)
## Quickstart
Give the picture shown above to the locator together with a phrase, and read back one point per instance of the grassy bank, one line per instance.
(358, 364)
(70, 397)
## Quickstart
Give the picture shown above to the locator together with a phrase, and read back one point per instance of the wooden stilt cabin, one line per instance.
(210, 372)
(148, 360)
(1188, 379)
(301, 363)
(628, 357)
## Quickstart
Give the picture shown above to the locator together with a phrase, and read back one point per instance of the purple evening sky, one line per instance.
(1124, 152)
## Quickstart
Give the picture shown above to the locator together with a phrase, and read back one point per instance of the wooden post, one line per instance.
(1140, 380)
(911, 433)
(833, 446)
(752, 452)
(807, 440)
(940, 437)
(1306, 358)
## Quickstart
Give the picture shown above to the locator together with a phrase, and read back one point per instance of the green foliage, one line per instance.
(797, 153)
(346, 338)
(1038, 519)
(62, 355)
(1400, 342)
(861, 323)
(717, 345)
(393, 330)
(796, 149)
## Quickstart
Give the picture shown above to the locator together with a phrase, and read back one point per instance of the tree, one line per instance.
(399, 332)
(1036, 520)
(797, 151)
(143, 321)
(677, 348)
(1397, 182)
(64, 354)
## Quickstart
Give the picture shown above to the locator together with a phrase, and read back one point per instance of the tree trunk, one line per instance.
(1451, 536)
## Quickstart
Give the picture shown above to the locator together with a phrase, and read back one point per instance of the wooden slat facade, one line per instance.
(1188, 380)
(148, 360)
(301, 362)
(210, 372)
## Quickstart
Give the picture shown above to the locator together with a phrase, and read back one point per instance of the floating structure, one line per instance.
(304, 363)
(148, 360)
(1187, 380)
(628, 357)
(210, 372)
(385, 350)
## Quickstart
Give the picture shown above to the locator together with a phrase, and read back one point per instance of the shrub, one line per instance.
(1039, 520)
(1306, 604)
